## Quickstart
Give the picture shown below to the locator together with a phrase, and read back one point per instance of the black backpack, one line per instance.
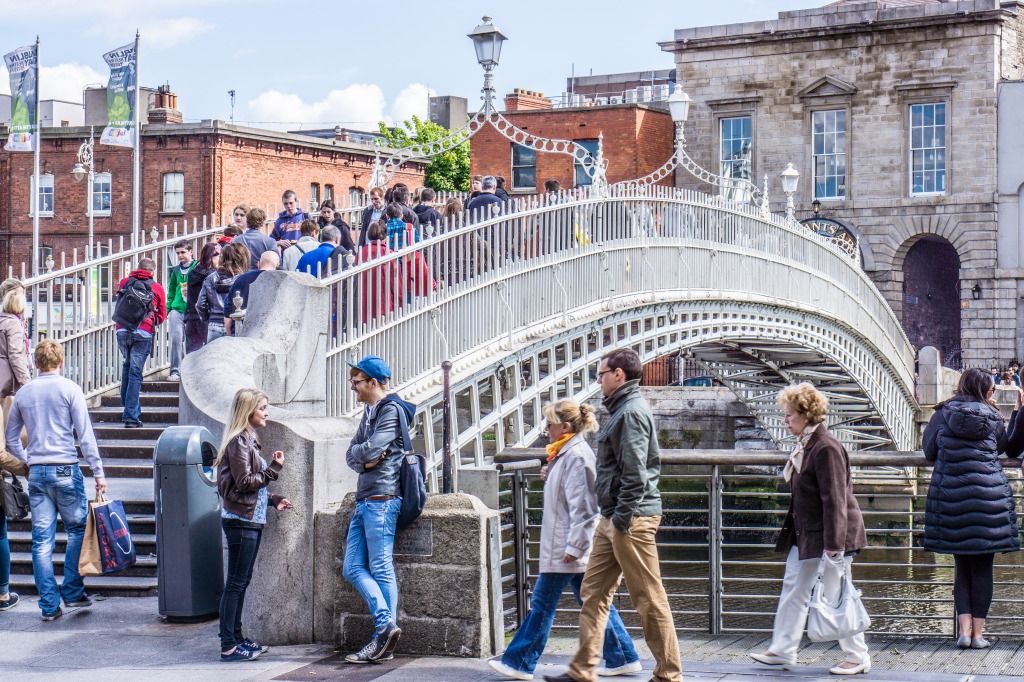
(411, 479)
(134, 303)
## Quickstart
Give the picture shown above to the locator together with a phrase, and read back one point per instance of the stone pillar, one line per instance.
(449, 581)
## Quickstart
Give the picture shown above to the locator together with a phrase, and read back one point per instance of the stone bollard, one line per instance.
(448, 566)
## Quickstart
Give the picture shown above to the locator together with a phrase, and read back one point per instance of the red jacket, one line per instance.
(159, 301)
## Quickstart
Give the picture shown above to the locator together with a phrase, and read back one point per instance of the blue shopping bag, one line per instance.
(117, 551)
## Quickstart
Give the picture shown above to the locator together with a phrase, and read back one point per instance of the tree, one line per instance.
(447, 171)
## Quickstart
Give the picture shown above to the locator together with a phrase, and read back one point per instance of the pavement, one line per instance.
(124, 638)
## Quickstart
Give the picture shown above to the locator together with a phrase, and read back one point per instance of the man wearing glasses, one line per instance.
(286, 227)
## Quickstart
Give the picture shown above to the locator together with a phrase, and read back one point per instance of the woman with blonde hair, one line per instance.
(823, 519)
(242, 479)
(14, 368)
(566, 538)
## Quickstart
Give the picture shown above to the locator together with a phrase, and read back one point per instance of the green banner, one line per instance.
(122, 97)
(24, 69)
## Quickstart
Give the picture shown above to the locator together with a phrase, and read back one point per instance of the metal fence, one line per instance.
(722, 512)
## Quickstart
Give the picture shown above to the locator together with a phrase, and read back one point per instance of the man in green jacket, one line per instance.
(628, 468)
(177, 290)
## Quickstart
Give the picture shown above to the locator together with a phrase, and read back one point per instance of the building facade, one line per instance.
(890, 112)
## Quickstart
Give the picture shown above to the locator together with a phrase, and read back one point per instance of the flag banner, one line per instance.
(24, 69)
(122, 97)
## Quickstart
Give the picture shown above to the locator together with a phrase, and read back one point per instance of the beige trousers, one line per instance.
(634, 556)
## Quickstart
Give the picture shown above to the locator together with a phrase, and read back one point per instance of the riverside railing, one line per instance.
(722, 511)
(476, 286)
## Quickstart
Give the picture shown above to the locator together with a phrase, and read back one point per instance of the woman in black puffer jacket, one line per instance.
(970, 510)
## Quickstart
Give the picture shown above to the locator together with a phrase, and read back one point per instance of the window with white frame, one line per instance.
(928, 148)
(735, 153)
(101, 194)
(314, 196)
(828, 132)
(174, 193)
(328, 192)
(45, 194)
(524, 168)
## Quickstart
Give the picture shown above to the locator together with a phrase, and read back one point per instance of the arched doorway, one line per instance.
(931, 297)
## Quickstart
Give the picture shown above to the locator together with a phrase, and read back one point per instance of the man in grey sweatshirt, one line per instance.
(53, 409)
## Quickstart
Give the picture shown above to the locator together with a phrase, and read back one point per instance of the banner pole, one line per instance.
(38, 140)
(136, 200)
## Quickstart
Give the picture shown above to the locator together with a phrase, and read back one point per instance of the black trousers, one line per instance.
(243, 544)
(972, 586)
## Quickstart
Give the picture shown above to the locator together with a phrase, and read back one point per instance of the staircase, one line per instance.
(128, 465)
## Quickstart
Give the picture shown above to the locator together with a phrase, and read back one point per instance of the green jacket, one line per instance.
(175, 300)
(628, 459)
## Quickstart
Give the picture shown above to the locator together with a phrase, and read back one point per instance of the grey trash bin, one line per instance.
(190, 559)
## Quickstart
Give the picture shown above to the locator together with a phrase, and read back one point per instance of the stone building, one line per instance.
(188, 170)
(895, 114)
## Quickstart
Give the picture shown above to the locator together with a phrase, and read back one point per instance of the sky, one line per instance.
(317, 63)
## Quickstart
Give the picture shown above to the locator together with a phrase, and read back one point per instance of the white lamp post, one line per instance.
(790, 178)
(82, 170)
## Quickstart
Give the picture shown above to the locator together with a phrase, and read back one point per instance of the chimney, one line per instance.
(526, 100)
(165, 107)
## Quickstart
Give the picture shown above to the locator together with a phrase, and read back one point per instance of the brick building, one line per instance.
(188, 170)
(896, 115)
(638, 138)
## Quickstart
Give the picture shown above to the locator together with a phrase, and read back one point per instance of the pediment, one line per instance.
(828, 86)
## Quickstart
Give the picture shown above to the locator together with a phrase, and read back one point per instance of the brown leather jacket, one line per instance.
(240, 477)
(823, 513)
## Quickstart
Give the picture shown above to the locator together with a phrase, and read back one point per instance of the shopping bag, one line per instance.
(113, 541)
(89, 562)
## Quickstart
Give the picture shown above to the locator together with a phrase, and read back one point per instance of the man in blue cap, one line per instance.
(376, 453)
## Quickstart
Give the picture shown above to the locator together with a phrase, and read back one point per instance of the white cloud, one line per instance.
(358, 106)
(64, 81)
(155, 33)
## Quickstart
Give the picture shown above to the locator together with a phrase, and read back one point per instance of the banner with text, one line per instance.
(24, 69)
(122, 97)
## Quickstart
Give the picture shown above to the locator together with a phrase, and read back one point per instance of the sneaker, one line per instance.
(255, 646)
(627, 669)
(390, 634)
(509, 672)
(174, 376)
(53, 616)
(82, 602)
(133, 425)
(11, 601)
(363, 655)
(239, 654)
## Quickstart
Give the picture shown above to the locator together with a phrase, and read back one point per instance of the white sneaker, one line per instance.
(509, 671)
(174, 376)
(627, 669)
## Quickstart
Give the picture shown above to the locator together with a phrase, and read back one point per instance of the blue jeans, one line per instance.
(528, 643)
(52, 490)
(368, 557)
(134, 347)
(5, 557)
(243, 544)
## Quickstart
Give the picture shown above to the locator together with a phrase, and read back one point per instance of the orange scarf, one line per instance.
(556, 447)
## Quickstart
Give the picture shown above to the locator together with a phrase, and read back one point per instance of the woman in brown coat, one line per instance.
(14, 369)
(823, 518)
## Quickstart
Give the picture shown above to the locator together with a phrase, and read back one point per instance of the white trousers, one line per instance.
(791, 617)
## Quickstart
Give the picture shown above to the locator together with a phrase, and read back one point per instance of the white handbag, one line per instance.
(843, 617)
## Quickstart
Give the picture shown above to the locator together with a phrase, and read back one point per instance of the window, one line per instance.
(355, 196)
(928, 148)
(524, 168)
(582, 178)
(101, 194)
(45, 253)
(45, 194)
(174, 193)
(735, 154)
(328, 192)
(828, 131)
(314, 195)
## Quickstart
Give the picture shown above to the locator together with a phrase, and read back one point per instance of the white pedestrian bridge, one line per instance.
(525, 303)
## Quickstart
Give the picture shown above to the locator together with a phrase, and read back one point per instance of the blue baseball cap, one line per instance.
(373, 367)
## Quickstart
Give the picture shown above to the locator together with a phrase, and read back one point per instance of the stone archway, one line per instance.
(931, 297)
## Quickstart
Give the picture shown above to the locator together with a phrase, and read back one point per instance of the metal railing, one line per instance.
(722, 511)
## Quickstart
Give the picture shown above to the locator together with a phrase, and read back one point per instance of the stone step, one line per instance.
(121, 449)
(116, 431)
(21, 540)
(160, 386)
(122, 468)
(114, 585)
(165, 416)
(145, 565)
(139, 522)
(145, 400)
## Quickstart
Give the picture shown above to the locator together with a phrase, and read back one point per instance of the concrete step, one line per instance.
(113, 585)
(145, 565)
(160, 386)
(21, 540)
(165, 416)
(117, 431)
(139, 522)
(111, 449)
(145, 399)
(122, 468)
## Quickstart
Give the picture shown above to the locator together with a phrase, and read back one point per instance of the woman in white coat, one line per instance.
(566, 538)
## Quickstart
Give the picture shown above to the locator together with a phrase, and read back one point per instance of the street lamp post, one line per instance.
(85, 169)
(790, 178)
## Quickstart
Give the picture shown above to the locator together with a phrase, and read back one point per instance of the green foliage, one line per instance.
(446, 172)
